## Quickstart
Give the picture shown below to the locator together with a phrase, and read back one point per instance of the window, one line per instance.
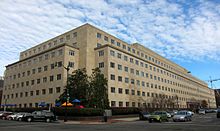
(112, 65)
(71, 64)
(98, 45)
(120, 90)
(57, 89)
(120, 78)
(21, 94)
(28, 73)
(132, 81)
(132, 70)
(113, 103)
(143, 93)
(119, 67)
(71, 52)
(60, 52)
(98, 35)
(125, 58)
(40, 58)
(68, 37)
(112, 53)
(31, 93)
(126, 68)
(101, 65)
(132, 92)
(136, 62)
(32, 82)
(106, 38)
(118, 44)
(38, 81)
(127, 91)
(126, 80)
(27, 83)
(51, 78)
(127, 104)
(37, 92)
(52, 66)
(75, 34)
(58, 76)
(44, 79)
(101, 53)
(50, 90)
(112, 77)
(53, 54)
(112, 41)
(119, 55)
(46, 56)
(45, 68)
(39, 69)
(26, 94)
(138, 93)
(120, 104)
(131, 60)
(61, 40)
(112, 89)
(43, 91)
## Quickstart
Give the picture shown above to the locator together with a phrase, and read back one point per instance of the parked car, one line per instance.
(143, 115)
(201, 112)
(20, 116)
(172, 113)
(11, 117)
(218, 113)
(168, 115)
(46, 116)
(182, 116)
(158, 116)
(5, 114)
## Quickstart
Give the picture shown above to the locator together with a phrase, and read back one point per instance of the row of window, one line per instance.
(138, 104)
(33, 82)
(49, 45)
(46, 56)
(151, 67)
(139, 93)
(39, 70)
(134, 51)
(32, 93)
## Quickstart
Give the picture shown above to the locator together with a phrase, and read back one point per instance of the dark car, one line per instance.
(218, 113)
(46, 116)
(143, 115)
(5, 114)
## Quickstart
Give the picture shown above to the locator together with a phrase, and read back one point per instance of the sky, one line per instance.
(186, 32)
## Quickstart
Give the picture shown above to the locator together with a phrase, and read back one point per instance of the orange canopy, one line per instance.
(68, 104)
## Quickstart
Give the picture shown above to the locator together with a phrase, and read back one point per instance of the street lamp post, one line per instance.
(67, 92)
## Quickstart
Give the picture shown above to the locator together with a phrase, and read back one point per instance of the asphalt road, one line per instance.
(207, 122)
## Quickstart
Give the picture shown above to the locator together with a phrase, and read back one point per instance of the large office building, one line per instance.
(1, 89)
(136, 75)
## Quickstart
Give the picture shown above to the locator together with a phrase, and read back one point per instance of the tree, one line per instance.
(98, 90)
(160, 101)
(77, 86)
(204, 104)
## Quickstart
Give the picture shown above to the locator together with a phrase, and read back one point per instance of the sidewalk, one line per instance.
(99, 122)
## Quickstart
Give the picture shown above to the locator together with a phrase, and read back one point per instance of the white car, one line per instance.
(202, 112)
(182, 116)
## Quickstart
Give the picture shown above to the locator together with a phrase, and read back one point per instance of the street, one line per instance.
(207, 122)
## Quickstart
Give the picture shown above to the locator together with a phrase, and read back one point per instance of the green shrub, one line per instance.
(124, 110)
(71, 111)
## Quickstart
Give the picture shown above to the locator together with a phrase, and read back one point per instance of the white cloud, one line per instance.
(180, 31)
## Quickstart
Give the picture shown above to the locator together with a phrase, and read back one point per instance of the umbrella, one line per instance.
(76, 101)
(68, 104)
(57, 104)
(42, 104)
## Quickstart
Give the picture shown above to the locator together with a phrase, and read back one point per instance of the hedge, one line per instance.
(124, 110)
(71, 111)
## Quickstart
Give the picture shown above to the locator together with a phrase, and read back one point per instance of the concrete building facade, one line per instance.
(1, 89)
(136, 75)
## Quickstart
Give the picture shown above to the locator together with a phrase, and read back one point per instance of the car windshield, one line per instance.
(157, 113)
(181, 113)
